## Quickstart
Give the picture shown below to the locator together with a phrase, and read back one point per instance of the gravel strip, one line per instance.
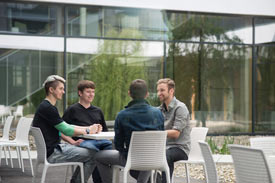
(225, 172)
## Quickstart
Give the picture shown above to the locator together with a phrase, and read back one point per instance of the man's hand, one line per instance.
(99, 128)
(77, 142)
(93, 128)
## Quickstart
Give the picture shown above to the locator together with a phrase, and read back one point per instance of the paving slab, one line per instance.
(54, 175)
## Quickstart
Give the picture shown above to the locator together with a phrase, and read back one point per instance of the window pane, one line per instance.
(265, 92)
(31, 19)
(84, 21)
(112, 65)
(264, 30)
(214, 82)
(210, 28)
(134, 23)
(22, 73)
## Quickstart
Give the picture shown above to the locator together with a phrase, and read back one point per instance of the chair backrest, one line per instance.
(22, 130)
(250, 165)
(6, 129)
(210, 165)
(40, 145)
(5, 110)
(19, 110)
(267, 144)
(197, 134)
(147, 150)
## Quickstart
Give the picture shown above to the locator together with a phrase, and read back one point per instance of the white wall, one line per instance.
(244, 7)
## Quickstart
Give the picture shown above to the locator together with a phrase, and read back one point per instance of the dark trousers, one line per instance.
(96, 176)
(173, 154)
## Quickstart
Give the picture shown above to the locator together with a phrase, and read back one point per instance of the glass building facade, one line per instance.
(223, 65)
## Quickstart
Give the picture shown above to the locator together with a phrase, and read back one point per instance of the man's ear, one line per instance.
(172, 91)
(79, 93)
(51, 89)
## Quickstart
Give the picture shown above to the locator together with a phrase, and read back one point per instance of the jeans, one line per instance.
(106, 158)
(97, 145)
(70, 153)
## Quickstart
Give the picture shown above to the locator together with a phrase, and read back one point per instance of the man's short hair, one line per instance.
(85, 84)
(138, 89)
(170, 83)
(52, 81)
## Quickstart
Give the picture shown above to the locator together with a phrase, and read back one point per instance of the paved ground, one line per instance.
(54, 175)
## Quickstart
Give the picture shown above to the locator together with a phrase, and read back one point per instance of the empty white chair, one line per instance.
(18, 112)
(250, 165)
(210, 165)
(147, 151)
(5, 138)
(4, 111)
(267, 144)
(42, 157)
(21, 140)
(195, 156)
(6, 129)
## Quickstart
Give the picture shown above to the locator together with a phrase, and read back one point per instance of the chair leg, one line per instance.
(82, 173)
(5, 152)
(44, 174)
(153, 176)
(18, 157)
(167, 175)
(0, 154)
(9, 148)
(125, 174)
(21, 159)
(35, 172)
(187, 173)
(28, 149)
(69, 168)
(115, 175)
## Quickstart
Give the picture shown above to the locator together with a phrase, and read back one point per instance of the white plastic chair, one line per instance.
(195, 156)
(250, 165)
(147, 151)
(267, 144)
(21, 140)
(18, 112)
(42, 157)
(5, 138)
(4, 111)
(210, 165)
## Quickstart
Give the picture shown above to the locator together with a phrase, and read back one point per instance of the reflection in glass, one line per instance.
(147, 24)
(31, 18)
(264, 30)
(115, 64)
(214, 82)
(22, 73)
(209, 28)
(84, 21)
(265, 91)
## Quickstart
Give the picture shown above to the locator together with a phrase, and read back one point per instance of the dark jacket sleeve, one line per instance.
(119, 137)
